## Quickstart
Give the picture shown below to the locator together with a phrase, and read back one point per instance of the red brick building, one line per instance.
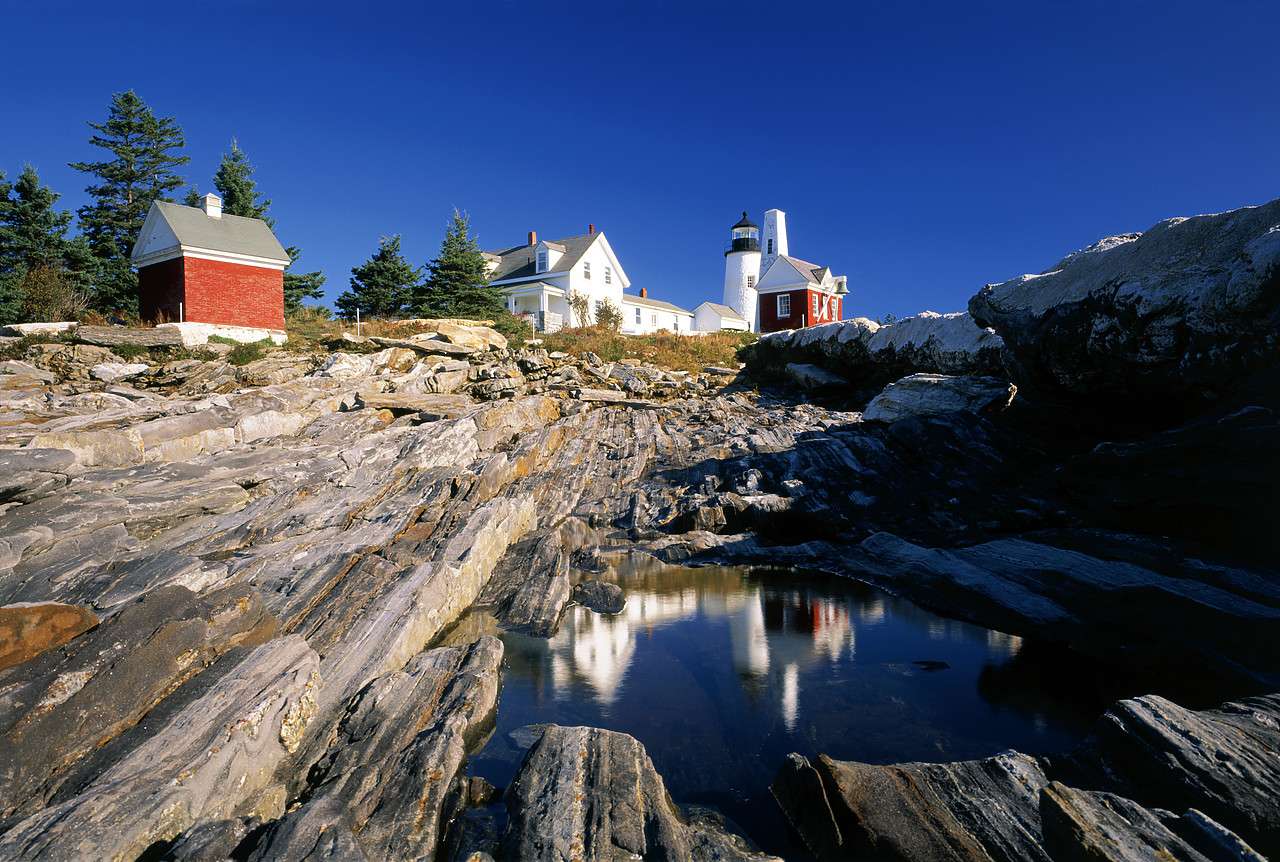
(794, 294)
(200, 266)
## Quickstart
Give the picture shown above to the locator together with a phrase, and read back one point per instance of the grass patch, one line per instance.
(243, 354)
(664, 349)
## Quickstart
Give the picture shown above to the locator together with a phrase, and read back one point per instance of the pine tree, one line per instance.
(240, 196)
(10, 297)
(382, 285)
(33, 240)
(234, 181)
(459, 282)
(141, 170)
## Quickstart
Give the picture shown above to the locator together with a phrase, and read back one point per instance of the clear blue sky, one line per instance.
(921, 148)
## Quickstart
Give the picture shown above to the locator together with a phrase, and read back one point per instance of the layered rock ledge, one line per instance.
(230, 583)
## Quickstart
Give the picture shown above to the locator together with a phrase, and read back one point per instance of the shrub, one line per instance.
(609, 316)
(50, 294)
(515, 329)
(243, 354)
(129, 351)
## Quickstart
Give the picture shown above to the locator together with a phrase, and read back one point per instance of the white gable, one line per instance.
(156, 241)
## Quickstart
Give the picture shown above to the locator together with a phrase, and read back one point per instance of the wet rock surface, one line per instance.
(272, 553)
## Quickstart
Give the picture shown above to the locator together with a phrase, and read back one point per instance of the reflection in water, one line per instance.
(775, 631)
(722, 672)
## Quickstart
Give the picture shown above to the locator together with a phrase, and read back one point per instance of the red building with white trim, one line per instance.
(772, 290)
(794, 294)
(198, 265)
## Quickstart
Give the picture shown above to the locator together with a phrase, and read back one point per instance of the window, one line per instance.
(608, 275)
(586, 270)
(770, 246)
(655, 319)
(816, 300)
(598, 304)
(638, 317)
(542, 260)
(784, 305)
(751, 281)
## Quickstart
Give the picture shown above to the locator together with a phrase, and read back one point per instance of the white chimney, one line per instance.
(212, 205)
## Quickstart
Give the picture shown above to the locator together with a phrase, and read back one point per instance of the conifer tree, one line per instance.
(234, 181)
(240, 196)
(459, 282)
(142, 169)
(33, 240)
(382, 285)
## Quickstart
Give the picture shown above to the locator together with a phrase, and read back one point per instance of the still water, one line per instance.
(721, 672)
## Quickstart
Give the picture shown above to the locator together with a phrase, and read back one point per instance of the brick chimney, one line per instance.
(591, 229)
(533, 237)
(644, 294)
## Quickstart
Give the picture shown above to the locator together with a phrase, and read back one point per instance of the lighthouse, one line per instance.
(742, 269)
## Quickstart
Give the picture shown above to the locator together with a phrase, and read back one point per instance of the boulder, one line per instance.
(925, 394)
(586, 793)
(110, 372)
(870, 355)
(599, 596)
(468, 335)
(28, 629)
(1183, 311)
(814, 376)
(114, 336)
(1112, 797)
(205, 763)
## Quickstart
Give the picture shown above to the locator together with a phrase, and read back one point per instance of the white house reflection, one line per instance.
(776, 630)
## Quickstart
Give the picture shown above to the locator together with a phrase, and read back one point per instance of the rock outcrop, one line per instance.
(1184, 311)
(264, 558)
(1153, 781)
(586, 793)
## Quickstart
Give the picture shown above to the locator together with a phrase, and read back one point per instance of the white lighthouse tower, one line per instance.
(774, 241)
(742, 269)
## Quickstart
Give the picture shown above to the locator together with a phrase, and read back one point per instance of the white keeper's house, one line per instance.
(540, 276)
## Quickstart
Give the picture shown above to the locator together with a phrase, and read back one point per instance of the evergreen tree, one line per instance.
(382, 285)
(141, 170)
(240, 196)
(33, 240)
(10, 298)
(234, 182)
(459, 282)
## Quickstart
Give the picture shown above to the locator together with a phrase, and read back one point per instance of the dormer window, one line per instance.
(542, 260)
(586, 270)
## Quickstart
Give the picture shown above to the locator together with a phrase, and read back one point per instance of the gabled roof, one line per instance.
(723, 310)
(802, 272)
(169, 227)
(806, 269)
(631, 299)
(519, 262)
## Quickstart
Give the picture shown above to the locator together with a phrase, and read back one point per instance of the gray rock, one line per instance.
(64, 704)
(203, 764)
(398, 755)
(925, 394)
(869, 355)
(585, 793)
(1183, 310)
(813, 376)
(114, 336)
(599, 596)
(1217, 766)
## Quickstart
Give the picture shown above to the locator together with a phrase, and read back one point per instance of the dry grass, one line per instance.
(662, 349)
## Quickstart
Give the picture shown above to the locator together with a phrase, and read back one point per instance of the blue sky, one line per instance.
(923, 149)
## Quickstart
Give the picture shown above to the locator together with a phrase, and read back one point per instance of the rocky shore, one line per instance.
(223, 586)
